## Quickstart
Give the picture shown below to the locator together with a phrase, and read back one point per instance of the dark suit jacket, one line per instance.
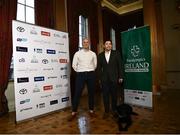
(111, 71)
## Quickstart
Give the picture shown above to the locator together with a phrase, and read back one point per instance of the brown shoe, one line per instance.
(72, 117)
(92, 114)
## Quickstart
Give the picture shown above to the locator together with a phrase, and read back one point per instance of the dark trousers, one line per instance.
(109, 90)
(81, 79)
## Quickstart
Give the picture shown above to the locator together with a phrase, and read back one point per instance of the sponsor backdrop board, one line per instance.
(41, 70)
(136, 49)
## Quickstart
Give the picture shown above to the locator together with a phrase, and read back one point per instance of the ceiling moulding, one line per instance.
(123, 9)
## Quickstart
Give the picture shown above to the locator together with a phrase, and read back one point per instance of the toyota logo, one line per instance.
(44, 61)
(23, 91)
(20, 29)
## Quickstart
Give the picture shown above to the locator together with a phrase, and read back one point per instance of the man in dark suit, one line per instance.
(110, 75)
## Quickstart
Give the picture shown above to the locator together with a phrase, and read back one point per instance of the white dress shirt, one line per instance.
(107, 55)
(84, 61)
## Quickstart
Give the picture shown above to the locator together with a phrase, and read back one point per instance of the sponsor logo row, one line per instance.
(34, 31)
(28, 70)
(39, 50)
(39, 78)
(36, 89)
(43, 61)
(137, 95)
(42, 105)
(41, 41)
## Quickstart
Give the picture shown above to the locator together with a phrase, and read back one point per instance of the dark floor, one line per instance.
(164, 118)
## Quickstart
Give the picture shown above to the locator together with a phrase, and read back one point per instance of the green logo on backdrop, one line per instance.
(136, 62)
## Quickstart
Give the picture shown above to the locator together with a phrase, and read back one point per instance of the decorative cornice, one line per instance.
(123, 9)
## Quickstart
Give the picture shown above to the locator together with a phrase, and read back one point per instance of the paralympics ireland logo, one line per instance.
(135, 51)
(136, 62)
